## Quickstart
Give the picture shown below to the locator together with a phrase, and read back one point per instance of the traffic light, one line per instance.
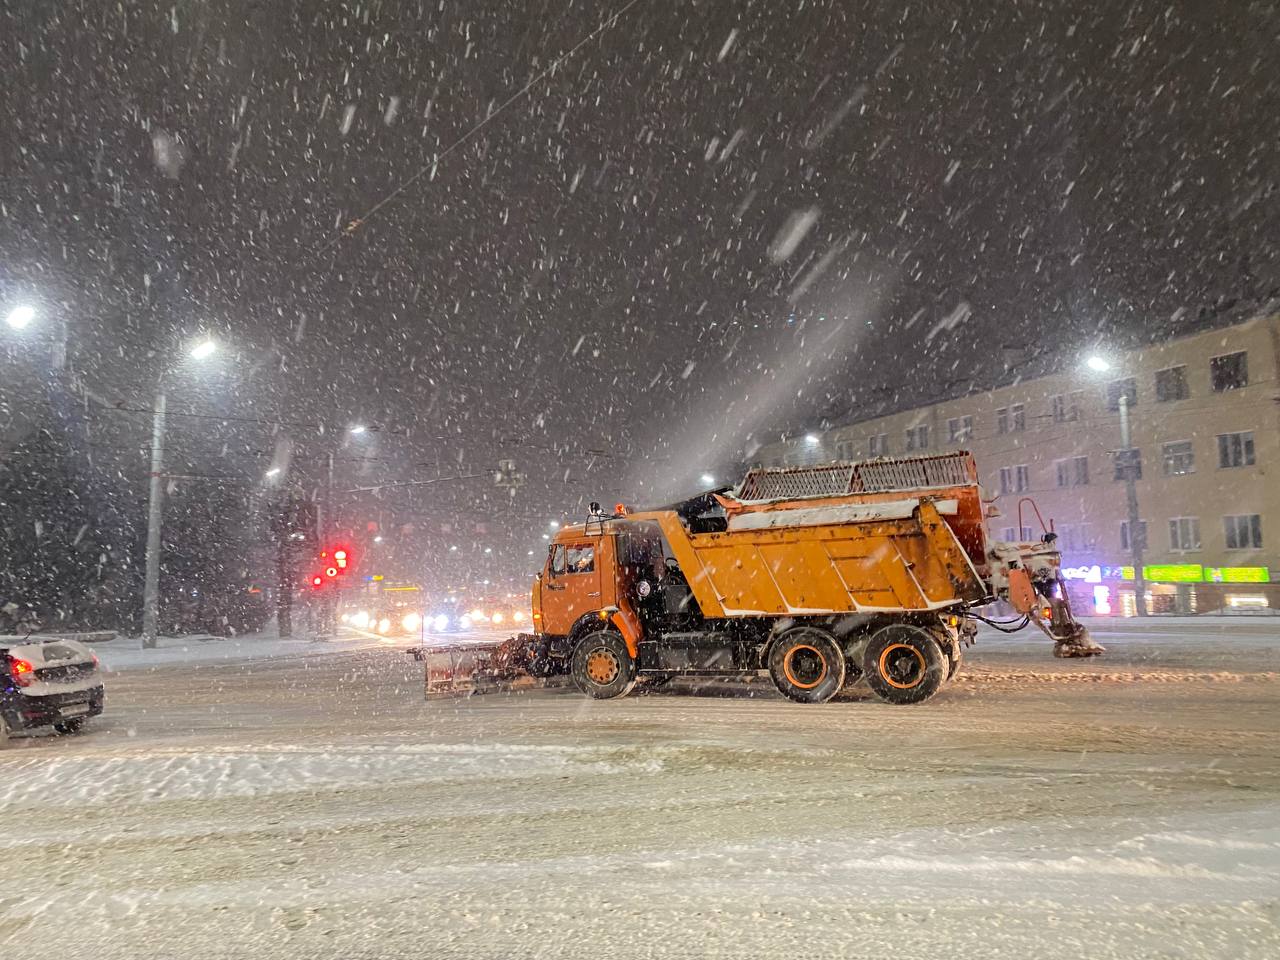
(340, 557)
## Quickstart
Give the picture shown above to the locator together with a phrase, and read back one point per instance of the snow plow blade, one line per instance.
(1078, 644)
(460, 669)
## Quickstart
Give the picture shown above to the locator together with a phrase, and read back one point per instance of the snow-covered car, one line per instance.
(53, 682)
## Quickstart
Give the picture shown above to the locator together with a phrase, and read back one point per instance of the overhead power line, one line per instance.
(404, 185)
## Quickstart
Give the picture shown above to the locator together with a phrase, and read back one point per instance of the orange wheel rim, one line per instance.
(887, 669)
(602, 666)
(789, 666)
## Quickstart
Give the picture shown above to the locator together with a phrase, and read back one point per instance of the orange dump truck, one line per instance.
(821, 576)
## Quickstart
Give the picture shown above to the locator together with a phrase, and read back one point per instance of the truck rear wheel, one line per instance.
(807, 665)
(602, 666)
(904, 664)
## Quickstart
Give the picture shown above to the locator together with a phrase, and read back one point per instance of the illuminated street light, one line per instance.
(358, 429)
(812, 438)
(203, 350)
(554, 524)
(378, 538)
(1098, 364)
(273, 472)
(708, 479)
(488, 549)
(20, 316)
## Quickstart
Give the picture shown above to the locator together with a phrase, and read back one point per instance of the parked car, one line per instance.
(47, 682)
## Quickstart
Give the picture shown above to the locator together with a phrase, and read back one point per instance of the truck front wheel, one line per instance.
(904, 664)
(807, 665)
(602, 666)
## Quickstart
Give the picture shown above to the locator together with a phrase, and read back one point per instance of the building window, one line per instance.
(1235, 449)
(1075, 537)
(1128, 461)
(878, 444)
(1011, 419)
(1073, 472)
(1229, 371)
(1171, 384)
(845, 450)
(1179, 458)
(1244, 531)
(1015, 479)
(959, 429)
(1184, 533)
(1125, 543)
(918, 437)
(1065, 408)
(1128, 388)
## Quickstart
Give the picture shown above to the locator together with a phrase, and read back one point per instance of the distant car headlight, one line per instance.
(497, 618)
(478, 614)
(345, 618)
(384, 625)
(360, 619)
(411, 622)
(441, 622)
(465, 622)
(518, 616)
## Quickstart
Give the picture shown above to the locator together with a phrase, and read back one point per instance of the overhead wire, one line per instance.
(404, 185)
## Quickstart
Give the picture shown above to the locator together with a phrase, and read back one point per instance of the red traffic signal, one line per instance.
(340, 556)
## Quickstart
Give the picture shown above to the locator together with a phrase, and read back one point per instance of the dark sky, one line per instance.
(716, 221)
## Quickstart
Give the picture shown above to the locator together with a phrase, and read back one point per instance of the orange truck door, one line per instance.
(572, 584)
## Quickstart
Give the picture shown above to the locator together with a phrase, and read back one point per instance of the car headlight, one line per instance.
(384, 625)
(345, 618)
(497, 618)
(518, 616)
(360, 619)
(441, 622)
(478, 614)
(411, 622)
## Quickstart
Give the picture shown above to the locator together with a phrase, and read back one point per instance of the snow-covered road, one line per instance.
(318, 806)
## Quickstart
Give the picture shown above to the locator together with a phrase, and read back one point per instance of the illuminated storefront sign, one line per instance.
(1237, 575)
(1174, 572)
(1170, 573)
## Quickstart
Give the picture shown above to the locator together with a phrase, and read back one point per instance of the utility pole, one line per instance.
(1137, 538)
(151, 581)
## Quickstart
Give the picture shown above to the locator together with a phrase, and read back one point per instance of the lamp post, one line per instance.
(155, 503)
(1128, 465)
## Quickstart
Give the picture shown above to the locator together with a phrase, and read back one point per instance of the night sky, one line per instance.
(714, 222)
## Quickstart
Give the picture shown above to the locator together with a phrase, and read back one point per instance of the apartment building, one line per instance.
(1205, 422)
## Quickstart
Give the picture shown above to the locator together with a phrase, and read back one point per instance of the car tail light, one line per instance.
(23, 673)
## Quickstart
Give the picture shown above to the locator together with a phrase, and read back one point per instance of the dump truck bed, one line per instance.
(836, 560)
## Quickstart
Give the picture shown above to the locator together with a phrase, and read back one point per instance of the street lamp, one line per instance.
(204, 350)
(273, 472)
(812, 439)
(155, 500)
(708, 479)
(358, 429)
(1128, 465)
(21, 316)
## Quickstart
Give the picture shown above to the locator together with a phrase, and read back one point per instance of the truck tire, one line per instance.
(904, 664)
(602, 666)
(807, 665)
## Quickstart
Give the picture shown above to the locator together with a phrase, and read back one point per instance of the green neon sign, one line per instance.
(1237, 575)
